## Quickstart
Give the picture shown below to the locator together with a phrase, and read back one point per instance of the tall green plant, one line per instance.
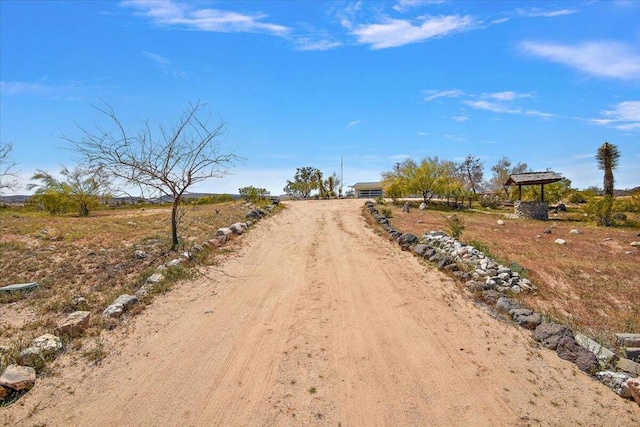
(608, 157)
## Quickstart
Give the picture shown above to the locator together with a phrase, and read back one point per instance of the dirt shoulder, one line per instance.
(319, 321)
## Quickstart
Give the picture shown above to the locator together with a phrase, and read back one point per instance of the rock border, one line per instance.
(494, 283)
(16, 380)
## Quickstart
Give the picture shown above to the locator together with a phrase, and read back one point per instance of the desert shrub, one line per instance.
(488, 202)
(380, 201)
(455, 225)
(627, 204)
(575, 216)
(253, 194)
(386, 212)
(600, 209)
(577, 197)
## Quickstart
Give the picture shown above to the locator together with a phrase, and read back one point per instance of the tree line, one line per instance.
(309, 179)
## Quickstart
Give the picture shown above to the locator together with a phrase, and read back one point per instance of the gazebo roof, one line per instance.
(533, 178)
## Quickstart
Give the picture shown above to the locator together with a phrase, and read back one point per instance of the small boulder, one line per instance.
(225, 231)
(237, 228)
(526, 318)
(549, 334)
(74, 324)
(79, 302)
(616, 381)
(420, 250)
(253, 214)
(490, 296)
(500, 222)
(547, 231)
(574, 231)
(560, 242)
(587, 362)
(18, 377)
(4, 392)
(126, 300)
(48, 344)
(633, 385)
(635, 244)
(423, 206)
(569, 349)
(505, 304)
(30, 356)
(407, 239)
(113, 311)
(405, 207)
(174, 262)
(138, 254)
(155, 278)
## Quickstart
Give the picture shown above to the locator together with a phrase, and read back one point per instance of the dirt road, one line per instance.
(316, 320)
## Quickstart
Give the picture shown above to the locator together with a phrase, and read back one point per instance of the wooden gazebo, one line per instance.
(533, 178)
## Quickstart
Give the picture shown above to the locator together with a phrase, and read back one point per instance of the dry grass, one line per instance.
(92, 257)
(591, 283)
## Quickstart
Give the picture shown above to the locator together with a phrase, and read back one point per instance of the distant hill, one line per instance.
(629, 192)
(21, 199)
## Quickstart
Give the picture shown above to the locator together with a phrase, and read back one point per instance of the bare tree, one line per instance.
(8, 171)
(472, 172)
(168, 163)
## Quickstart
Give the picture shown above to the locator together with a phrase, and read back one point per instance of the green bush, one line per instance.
(627, 204)
(489, 202)
(577, 197)
(455, 225)
(600, 209)
(380, 201)
(386, 212)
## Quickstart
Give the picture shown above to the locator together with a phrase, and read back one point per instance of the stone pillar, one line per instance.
(532, 210)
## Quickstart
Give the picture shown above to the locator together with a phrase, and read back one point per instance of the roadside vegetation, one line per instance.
(85, 262)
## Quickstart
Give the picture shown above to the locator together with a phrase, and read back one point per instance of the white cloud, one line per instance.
(602, 59)
(353, 123)
(496, 102)
(188, 15)
(164, 63)
(624, 116)
(72, 91)
(404, 5)
(423, 133)
(430, 95)
(491, 106)
(507, 96)
(305, 43)
(398, 32)
(535, 13)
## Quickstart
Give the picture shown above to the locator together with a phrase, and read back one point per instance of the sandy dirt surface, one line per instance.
(317, 320)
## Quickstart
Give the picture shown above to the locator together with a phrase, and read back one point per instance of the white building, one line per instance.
(368, 190)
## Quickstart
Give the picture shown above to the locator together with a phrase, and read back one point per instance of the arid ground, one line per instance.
(317, 320)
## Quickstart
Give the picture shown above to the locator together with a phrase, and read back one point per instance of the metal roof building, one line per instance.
(366, 190)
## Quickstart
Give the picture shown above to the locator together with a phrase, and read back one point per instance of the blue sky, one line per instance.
(302, 83)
